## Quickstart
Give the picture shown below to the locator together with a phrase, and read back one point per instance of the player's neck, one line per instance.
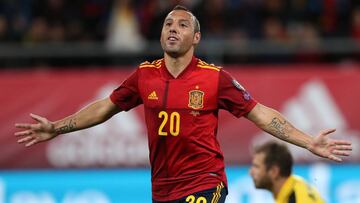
(176, 65)
(277, 185)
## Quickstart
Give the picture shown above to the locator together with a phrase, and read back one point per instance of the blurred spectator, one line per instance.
(38, 31)
(329, 17)
(95, 17)
(307, 39)
(153, 12)
(56, 32)
(129, 24)
(3, 29)
(74, 31)
(213, 18)
(89, 20)
(355, 24)
(275, 31)
(274, 9)
(355, 29)
(124, 33)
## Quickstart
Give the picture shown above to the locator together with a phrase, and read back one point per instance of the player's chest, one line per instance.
(198, 94)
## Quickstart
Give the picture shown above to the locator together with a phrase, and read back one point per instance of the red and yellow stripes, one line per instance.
(154, 64)
(217, 193)
(203, 64)
(157, 64)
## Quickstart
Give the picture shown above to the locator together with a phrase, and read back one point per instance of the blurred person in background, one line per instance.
(355, 24)
(306, 38)
(3, 29)
(124, 33)
(271, 170)
(213, 12)
(182, 96)
(38, 32)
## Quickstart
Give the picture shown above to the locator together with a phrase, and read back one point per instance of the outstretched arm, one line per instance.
(43, 130)
(274, 123)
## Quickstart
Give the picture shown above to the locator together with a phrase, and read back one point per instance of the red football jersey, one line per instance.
(182, 117)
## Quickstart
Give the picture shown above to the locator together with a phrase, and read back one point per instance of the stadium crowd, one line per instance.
(128, 25)
(83, 20)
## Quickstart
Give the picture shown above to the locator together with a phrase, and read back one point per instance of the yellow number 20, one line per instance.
(192, 198)
(174, 127)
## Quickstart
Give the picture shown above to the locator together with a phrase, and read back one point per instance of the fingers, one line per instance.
(334, 158)
(25, 139)
(343, 147)
(23, 125)
(31, 143)
(22, 133)
(28, 140)
(341, 153)
(342, 142)
(340, 150)
(38, 118)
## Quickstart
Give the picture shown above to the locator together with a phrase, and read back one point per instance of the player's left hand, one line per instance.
(328, 148)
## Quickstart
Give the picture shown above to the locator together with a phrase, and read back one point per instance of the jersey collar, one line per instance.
(192, 65)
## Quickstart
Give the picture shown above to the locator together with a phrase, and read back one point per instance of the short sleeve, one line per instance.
(233, 97)
(127, 96)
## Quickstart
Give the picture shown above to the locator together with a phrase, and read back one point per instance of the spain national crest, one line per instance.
(196, 99)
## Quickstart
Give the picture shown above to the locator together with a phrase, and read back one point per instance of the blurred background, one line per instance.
(56, 56)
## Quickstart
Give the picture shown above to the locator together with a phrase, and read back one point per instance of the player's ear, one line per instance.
(197, 37)
(274, 171)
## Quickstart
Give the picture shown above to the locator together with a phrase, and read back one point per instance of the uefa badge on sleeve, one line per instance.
(237, 85)
(246, 95)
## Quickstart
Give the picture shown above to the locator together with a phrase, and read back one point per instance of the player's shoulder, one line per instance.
(206, 66)
(299, 184)
(305, 191)
(298, 179)
(156, 64)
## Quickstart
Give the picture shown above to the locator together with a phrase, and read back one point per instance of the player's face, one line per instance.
(177, 35)
(259, 173)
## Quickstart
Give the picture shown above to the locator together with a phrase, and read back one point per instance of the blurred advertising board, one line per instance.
(336, 183)
(312, 97)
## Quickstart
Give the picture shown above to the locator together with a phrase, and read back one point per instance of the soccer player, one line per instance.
(271, 170)
(182, 95)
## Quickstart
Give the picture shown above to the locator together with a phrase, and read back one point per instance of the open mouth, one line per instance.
(173, 39)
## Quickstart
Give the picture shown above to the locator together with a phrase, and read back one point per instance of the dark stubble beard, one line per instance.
(174, 54)
(264, 183)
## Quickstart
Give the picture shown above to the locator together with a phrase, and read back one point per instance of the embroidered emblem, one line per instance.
(196, 99)
(153, 96)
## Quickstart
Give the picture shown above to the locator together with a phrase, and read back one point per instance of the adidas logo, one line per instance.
(153, 96)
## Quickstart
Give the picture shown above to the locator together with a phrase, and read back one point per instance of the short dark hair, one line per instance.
(196, 21)
(276, 154)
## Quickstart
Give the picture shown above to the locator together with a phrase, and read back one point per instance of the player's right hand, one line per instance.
(34, 133)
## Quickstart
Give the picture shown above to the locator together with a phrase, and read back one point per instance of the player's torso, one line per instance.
(181, 117)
